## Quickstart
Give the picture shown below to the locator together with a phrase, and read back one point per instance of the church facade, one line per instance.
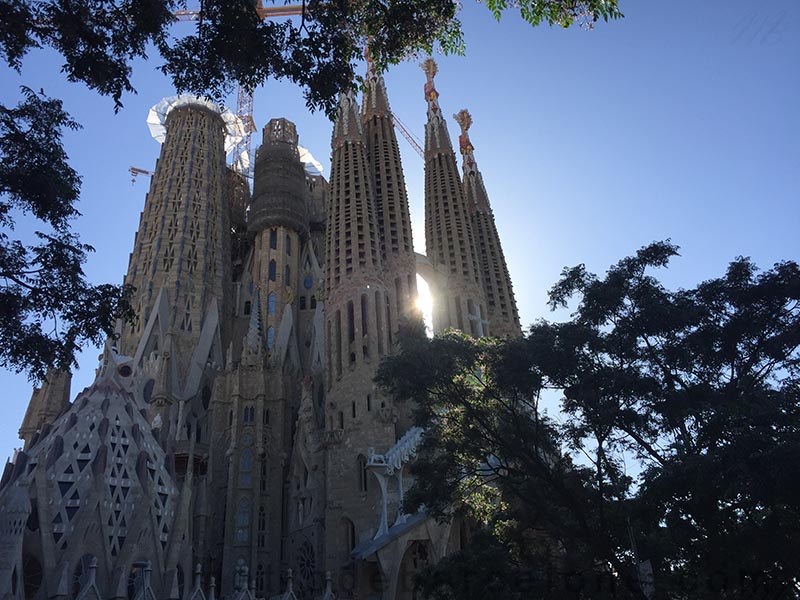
(233, 443)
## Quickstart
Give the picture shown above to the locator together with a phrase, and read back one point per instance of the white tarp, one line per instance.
(157, 118)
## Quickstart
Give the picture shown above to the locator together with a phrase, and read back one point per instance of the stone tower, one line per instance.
(356, 337)
(502, 308)
(47, 402)
(391, 202)
(450, 243)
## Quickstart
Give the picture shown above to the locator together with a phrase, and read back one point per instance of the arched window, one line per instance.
(270, 337)
(273, 239)
(302, 302)
(272, 270)
(247, 306)
(288, 245)
(313, 302)
(286, 275)
(271, 303)
(361, 471)
(262, 527)
(246, 469)
(243, 521)
(260, 578)
(348, 535)
(249, 413)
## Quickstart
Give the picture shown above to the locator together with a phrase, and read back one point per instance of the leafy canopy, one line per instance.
(676, 447)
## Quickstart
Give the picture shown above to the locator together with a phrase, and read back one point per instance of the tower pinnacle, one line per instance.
(450, 242)
(347, 127)
(496, 282)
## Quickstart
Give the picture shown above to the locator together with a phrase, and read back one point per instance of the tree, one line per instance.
(676, 449)
(48, 308)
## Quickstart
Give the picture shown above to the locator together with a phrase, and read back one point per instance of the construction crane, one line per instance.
(410, 137)
(136, 171)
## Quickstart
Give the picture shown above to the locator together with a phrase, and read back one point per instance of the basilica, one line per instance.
(233, 443)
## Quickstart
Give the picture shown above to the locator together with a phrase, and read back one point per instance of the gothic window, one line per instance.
(246, 469)
(302, 302)
(286, 275)
(348, 535)
(270, 337)
(362, 473)
(243, 521)
(263, 476)
(262, 527)
(288, 246)
(271, 303)
(260, 578)
(247, 307)
(272, 270)
(249, 413)
(273, 239)
(313, 302)
(265, 417)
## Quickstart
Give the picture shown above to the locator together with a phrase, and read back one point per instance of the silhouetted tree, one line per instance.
(676, 449)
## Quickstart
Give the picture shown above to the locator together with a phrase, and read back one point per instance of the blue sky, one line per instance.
(679, 121)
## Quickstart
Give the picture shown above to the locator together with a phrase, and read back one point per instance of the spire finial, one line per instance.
(431, 95)
(464, 119)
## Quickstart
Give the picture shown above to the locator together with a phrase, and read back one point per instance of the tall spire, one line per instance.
(183, 242)
(450, 245)
(391, 202)
(502, 308)
(437, 138)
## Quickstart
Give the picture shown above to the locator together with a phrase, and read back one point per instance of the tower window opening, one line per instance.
(351, 323)
(369, 402)
(288, 245)
(362, 473)
(379, 323)
(341, 420)
(270, 337)
(353, 407)
(364, 327)
(313, 302)
(273, 239)
(272, 270)
(338, 349)
(247, 306)
(271, 303)
(265, 417)
(287, 275)
(302, 302)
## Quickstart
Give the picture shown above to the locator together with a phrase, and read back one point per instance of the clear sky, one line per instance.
(679, 121)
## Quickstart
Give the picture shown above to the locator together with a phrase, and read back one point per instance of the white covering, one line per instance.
(312, 165)
(157, 118)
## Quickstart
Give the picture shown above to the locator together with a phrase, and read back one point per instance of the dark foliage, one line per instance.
(47, 308)
(677, 447)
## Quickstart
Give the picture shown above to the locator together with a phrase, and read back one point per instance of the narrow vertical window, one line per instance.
(273, 239)
(288, 245)
(272, 270)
